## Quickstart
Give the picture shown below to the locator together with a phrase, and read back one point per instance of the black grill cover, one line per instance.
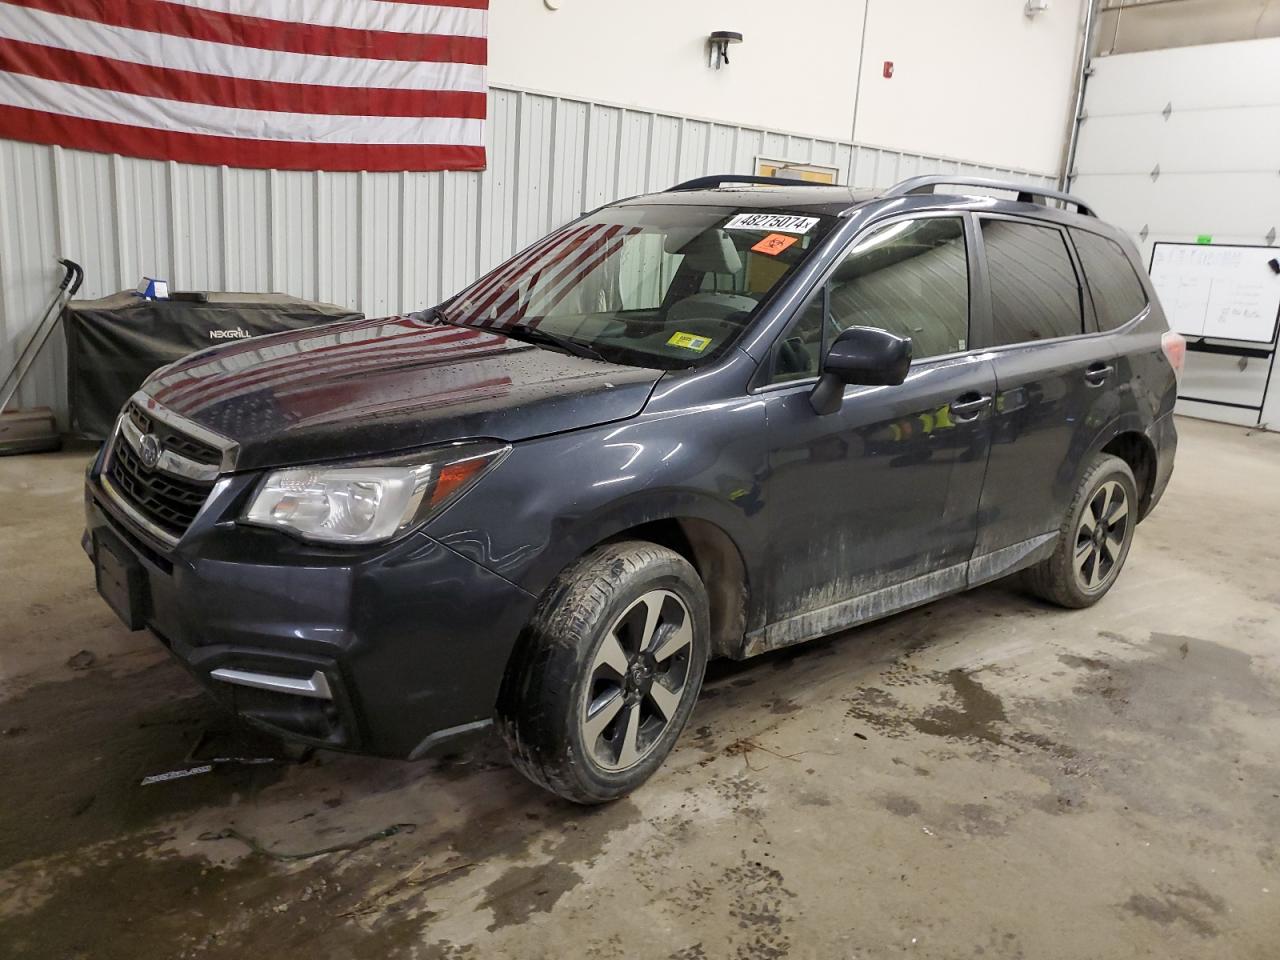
(115, 342)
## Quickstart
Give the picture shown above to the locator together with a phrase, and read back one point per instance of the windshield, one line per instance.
(663, 286)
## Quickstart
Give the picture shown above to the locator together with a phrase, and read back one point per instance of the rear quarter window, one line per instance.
(1117, 292)
(1035, 294)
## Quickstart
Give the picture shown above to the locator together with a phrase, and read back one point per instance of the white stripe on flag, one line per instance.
(92, 103)
(363, 15)
(230, 60)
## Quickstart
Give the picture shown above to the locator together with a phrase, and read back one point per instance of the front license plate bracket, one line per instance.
(121, 580)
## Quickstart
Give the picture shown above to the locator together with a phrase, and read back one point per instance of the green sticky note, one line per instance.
(1204, 238)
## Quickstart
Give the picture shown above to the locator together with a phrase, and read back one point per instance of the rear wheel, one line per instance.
(1094, 539)
(608, 672)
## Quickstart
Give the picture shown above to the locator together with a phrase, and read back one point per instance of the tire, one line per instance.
(1065, 578)
(590, 707)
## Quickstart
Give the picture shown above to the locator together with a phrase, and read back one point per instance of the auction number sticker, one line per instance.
(689, 341)
(777, 222)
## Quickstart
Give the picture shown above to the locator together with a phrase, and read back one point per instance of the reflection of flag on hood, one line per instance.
(283, 84)
(280, 371)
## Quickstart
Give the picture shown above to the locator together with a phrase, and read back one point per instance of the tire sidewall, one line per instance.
(1112, 468)
(674, 575)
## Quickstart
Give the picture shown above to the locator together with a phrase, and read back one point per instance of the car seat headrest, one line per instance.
(711, 252)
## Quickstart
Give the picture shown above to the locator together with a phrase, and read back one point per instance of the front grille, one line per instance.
(171, 439)
(169, 502)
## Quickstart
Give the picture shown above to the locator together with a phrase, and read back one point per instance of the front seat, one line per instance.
(711, 251)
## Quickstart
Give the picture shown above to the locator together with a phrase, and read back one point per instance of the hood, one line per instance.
(375, 387)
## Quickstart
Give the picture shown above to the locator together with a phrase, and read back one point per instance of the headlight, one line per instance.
(369, 501)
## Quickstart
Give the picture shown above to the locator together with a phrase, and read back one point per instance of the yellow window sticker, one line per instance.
(689, 341)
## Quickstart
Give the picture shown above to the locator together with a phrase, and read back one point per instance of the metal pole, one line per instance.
(1082, 76)
(857, 87)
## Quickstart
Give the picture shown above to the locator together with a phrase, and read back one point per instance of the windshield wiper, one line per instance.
(437, 316)
(555, 341)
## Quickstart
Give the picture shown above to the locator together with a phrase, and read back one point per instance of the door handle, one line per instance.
(968, 406)
(1097, 373)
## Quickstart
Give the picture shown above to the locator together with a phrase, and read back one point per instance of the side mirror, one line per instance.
(864, 356)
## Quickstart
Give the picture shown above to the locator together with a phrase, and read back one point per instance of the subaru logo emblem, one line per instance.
(149, 449)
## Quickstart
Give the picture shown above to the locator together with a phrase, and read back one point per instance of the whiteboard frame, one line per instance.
(1275, 323)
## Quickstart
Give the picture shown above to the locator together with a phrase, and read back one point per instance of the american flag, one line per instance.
(283, 84)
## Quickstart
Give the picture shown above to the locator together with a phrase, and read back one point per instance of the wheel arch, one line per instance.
(1135, 448)
(718, 561)
(690, 527)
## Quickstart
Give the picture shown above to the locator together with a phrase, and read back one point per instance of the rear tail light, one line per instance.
(1174, 346)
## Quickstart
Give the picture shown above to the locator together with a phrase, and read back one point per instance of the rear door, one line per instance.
(1055, 386)
(874, 507)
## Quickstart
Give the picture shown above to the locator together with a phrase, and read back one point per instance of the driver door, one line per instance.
(874, 507)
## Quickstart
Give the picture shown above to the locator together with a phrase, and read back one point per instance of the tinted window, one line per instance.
(1118, 296)
(910, 278)
(1034, 291)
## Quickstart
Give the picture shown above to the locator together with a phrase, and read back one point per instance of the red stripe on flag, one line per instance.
(194, 23)
(83, 69)
(467, 4)
(36, 126)
(124, 77)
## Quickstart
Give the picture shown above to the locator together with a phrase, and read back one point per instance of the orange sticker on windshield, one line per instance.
(774, 244)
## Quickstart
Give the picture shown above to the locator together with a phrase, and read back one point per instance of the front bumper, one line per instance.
(402, 646)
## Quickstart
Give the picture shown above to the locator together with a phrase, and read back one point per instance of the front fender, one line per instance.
(553, 499)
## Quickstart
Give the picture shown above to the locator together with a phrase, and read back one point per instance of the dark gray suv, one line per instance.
(708, 422)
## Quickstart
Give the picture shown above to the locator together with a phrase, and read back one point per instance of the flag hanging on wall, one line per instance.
(276, 84)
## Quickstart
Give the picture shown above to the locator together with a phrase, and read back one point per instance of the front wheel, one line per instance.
(1094, 539)
(607, 673)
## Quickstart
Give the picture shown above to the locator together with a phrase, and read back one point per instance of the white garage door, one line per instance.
(1183, 146)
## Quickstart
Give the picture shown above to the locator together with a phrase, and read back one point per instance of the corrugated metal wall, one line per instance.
(380, 242)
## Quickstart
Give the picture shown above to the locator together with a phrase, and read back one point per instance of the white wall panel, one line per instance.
(973, 78)
(378, 242)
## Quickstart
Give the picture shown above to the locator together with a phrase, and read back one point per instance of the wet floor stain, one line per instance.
(899, 805)
(525, 889)
(974, 717)
(80, 747)
(1082, 663)
(1189, 905)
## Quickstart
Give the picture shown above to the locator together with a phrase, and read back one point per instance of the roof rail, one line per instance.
(713, 181)
(1027, 193)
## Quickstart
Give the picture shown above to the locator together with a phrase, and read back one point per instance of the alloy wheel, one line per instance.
(1101, 537)
(638, 679)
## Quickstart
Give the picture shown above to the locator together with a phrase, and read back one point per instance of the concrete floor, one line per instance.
(986, 776)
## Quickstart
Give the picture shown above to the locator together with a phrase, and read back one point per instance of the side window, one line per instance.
(796, 355)
(1035, 294)
(1117, 292)
(910, 278)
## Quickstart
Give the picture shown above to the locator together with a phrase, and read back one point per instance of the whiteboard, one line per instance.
(1219, 291)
